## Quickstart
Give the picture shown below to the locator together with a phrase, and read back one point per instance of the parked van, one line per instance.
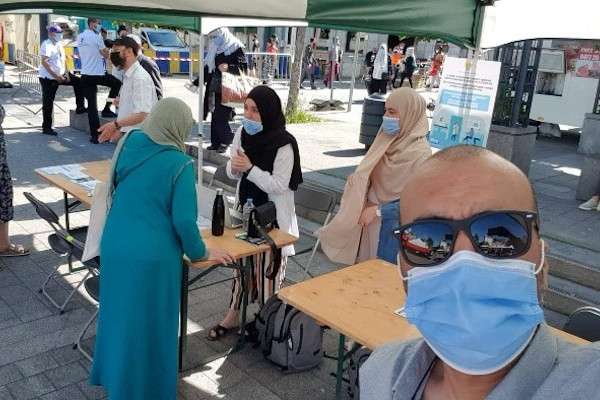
(161, 40)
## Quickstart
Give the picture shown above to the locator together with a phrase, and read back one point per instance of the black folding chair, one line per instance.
(585, 323)
(67, 243)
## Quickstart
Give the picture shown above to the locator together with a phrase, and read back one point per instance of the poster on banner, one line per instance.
(463, 112)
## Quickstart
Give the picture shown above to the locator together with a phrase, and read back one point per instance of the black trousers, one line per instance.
(378, 86)
(220, 131)
(49, 88)
(90, 90)
(406, 75)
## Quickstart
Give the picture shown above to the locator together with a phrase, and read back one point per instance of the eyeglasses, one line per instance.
(494, 234)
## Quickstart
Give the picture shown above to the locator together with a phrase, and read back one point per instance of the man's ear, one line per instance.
(542, 276)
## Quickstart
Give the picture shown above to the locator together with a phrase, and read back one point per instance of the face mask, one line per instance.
(251, 127)
(218, 40)
(116, 60)
(477, 314)
(390, 125)
(97, 28)
(57, 37)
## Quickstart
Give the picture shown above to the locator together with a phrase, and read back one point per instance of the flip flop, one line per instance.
(15, 250)
(220, 331)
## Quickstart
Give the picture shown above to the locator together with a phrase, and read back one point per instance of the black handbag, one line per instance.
(215, 82)
(263, 219)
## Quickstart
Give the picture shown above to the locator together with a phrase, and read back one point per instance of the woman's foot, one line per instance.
(591, 204)
(229, 324)
(14, 250)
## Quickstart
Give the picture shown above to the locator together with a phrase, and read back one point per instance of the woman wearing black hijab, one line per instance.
(266, 160)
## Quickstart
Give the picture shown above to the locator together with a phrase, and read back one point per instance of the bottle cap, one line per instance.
(219, 191)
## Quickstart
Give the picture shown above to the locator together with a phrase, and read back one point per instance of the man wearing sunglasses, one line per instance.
(473, 266)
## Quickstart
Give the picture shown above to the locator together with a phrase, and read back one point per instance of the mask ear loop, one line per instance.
(400, 269)
(543, 259)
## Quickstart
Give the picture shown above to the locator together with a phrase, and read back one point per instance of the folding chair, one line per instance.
(585, 323)
(92, 286)
(67, 243)
(312, 200)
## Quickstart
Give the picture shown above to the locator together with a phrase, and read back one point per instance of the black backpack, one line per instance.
(287, 337)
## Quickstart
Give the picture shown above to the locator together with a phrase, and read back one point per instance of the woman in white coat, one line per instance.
(380, 71)
(266, 160)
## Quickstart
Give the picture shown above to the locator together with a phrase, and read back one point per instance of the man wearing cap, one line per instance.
(473, 265)
(137, 95)
(93, 52)
(149, 65)
(52, 73)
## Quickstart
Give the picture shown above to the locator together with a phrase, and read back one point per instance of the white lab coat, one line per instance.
(276, 186)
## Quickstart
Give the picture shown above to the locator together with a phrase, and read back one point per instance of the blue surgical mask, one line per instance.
(477, 314)
(218, 40)
(251, 127)
(57, 37)
(390, 125)
(98, 28)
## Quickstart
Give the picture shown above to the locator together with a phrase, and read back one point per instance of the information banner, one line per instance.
(463, 112)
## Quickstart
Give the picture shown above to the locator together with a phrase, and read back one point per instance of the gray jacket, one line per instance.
(550, 368)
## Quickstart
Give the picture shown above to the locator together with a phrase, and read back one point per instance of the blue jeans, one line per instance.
(387, 248)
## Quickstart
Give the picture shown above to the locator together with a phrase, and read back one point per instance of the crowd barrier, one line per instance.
(27, 70)
(261, 65)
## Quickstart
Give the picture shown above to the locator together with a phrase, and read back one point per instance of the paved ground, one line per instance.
(36, 357)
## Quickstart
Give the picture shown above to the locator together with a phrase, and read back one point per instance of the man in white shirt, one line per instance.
(52, 74)
(137, 96)
(93, 52)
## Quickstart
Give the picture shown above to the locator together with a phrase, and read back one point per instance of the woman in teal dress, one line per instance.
(151, 224)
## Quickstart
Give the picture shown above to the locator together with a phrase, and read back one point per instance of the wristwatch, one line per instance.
(378, 212)
(117, 125)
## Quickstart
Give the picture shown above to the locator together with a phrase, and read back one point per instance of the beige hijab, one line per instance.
(384, 170)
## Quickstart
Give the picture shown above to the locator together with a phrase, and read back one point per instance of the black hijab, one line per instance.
(262, 147)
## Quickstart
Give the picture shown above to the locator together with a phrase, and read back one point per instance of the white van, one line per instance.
(161, 40)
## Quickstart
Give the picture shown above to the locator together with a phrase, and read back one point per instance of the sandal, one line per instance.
(15, 250)
(220, 331)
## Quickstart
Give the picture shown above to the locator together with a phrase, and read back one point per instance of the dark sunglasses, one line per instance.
(494, 234)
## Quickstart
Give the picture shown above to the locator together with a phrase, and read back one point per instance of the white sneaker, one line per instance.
(191, 87)
(590, 204)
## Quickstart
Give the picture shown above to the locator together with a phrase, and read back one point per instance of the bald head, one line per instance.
(475, 177)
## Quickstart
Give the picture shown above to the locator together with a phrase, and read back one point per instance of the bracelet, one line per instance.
(117, 125)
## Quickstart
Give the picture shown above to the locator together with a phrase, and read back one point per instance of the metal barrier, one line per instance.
(27, 69)
(269, 66)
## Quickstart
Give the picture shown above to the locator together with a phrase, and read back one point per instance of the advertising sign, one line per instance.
(463, 113)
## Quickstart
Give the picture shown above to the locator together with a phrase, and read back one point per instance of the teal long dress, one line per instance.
(151, 224)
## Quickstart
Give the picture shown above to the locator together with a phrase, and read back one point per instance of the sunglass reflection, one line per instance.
(495, 235)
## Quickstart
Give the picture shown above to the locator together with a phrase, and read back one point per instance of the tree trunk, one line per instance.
(292, 103)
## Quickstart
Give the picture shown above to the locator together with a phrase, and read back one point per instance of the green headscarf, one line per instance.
(169, 123)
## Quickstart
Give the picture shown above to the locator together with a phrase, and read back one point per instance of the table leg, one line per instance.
(340, 366)
(245, 278)
(183, 311)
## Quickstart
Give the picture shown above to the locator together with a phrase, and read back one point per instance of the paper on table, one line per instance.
(74, 175)
(203, 222)
(88, 184)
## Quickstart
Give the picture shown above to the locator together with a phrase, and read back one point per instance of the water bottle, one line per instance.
(246, 211)
(218, 214)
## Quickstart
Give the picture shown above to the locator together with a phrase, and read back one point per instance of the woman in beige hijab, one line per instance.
(399, 148)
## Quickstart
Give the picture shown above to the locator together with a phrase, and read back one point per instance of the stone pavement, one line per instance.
(36, 355)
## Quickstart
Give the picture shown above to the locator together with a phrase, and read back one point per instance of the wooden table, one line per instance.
(95, 169)
(359, 302)
(240, 249)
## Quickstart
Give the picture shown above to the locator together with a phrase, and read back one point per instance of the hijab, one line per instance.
(262, 147)
(380, 65)
(223, 41)
(169, 123)
(385, 169)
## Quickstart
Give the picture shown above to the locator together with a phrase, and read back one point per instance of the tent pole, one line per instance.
(202, 89)
(353, 78)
